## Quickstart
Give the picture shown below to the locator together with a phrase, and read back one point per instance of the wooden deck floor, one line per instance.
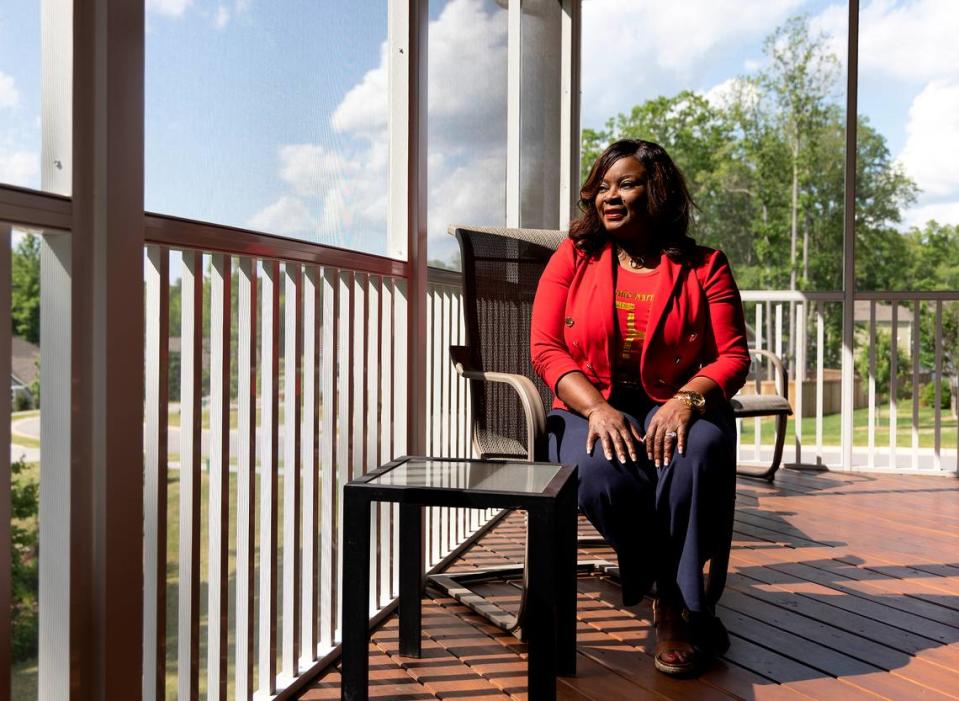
(842, 586)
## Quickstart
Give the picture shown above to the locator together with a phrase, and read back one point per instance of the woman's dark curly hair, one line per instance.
(668, 202)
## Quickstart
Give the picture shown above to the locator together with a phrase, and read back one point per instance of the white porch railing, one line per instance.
(899, 336)
(306, 351)
(292, 381)
(319, 351)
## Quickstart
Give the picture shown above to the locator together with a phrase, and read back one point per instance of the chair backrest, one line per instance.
(501, 270)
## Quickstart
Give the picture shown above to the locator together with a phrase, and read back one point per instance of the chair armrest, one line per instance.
(524, 387)
(782, 386)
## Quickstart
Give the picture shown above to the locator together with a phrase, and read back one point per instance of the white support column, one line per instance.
(56, 158)
(408, 28)
(56, 96)
(55, 478)
(106, 429)
(569, 116)
(849, 239)
(514, 65)
(535, 138)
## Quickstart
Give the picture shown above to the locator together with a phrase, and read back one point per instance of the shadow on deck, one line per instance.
(841, 586)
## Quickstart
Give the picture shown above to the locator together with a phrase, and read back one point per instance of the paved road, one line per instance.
(30, 428)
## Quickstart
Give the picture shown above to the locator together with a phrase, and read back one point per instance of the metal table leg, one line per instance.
(411, 579)
(356, 596)
(565, 573)
(540, 624)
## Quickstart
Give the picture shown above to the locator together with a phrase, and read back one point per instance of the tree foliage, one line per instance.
(25, 288)
(24, 505)
(765, 165)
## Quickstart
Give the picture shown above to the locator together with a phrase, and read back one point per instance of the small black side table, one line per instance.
(547, 492)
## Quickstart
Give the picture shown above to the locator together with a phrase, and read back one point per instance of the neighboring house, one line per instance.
(904, 320)
(24, 369)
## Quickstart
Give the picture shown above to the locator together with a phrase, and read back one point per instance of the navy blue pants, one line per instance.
(663, 524)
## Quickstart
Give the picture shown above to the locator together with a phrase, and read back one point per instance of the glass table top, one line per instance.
(521, 477)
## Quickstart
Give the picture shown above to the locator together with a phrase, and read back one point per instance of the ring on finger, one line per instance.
(671, 434)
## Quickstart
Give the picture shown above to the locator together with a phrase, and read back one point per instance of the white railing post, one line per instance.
(191, 363)
(309, 467)
(246, 476)
(269, 455)
(292, 342)
(218, 509)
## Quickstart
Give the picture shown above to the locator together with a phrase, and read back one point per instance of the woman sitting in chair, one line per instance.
(640, 334)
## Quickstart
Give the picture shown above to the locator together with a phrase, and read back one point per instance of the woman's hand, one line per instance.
(667, 432)
(614, 431)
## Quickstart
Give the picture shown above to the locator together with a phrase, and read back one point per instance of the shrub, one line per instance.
(24, 572)
(927, 395)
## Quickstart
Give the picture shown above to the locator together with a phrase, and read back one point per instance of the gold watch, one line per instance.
(694, 400)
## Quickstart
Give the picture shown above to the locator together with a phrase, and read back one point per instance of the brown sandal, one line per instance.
(673, 640)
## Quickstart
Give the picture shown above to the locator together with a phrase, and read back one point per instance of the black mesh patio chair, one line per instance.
(759, 404)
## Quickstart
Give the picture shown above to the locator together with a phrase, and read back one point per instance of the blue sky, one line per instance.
(272, 115)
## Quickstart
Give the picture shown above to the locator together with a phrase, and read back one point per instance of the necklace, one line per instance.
(634, 262)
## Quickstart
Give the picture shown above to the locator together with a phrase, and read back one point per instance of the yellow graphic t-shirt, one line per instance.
(635, 292)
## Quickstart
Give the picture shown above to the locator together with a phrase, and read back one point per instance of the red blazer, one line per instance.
(696, 325)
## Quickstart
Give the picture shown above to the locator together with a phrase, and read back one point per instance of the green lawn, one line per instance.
(174, 417)
(831, 428)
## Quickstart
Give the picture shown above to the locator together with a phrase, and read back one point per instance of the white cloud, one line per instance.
(733, 89)
(932, 138)
(339, 189)
(168, 8)
(470, 193)
(20, 168)
(309, 167)
(364, 109)
(467, 90)
(910, 40)
(287, 215)
(942, 212)
(222, 17)
(638, 47)
(9, 95)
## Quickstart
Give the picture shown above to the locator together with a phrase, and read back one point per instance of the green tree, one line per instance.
(766, 168)
(799, 82)
(930, 260)
(25, 288)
